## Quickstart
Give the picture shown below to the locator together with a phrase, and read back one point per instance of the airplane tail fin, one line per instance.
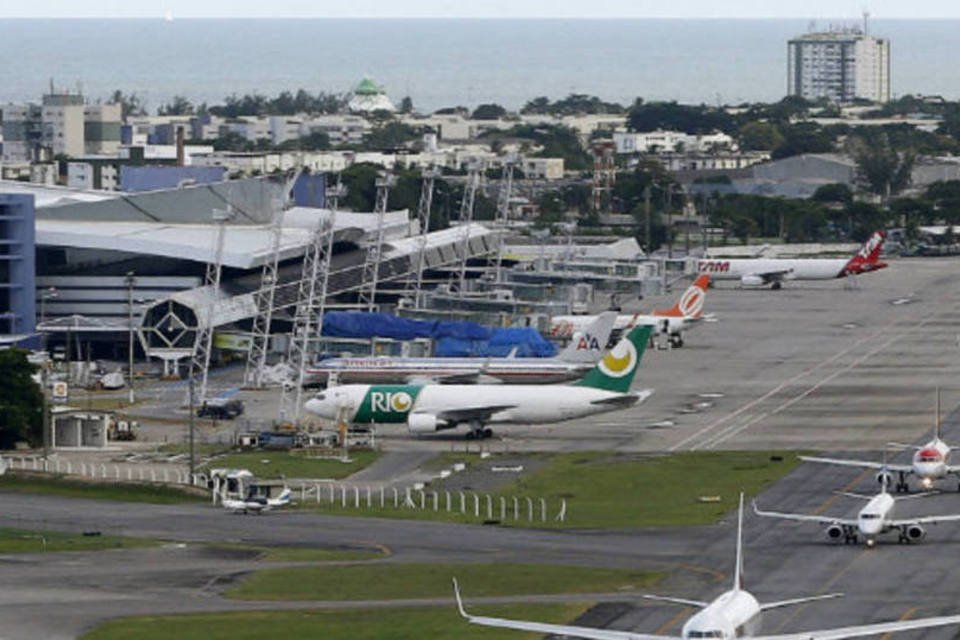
(936, 424)
(588, 345)
(616, 370)
(738, 569)
(868, 257)
(691, 302)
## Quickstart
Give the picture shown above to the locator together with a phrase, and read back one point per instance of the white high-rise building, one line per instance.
(840, 66)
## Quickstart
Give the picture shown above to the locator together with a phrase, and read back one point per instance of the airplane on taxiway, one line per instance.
(673, 321)
(576, 359)
(257, 505)
(427, 408)
(759, 272)
(876, 518)
(733, 614)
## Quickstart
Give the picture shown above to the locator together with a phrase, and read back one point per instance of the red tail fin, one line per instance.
(691, 302)
(868, 257)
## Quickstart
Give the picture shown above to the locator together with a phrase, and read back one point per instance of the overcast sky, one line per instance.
(807, 9)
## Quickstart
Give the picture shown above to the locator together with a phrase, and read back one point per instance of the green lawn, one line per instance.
(381, 624)
(606, 490)
(22, 541)
(61, 486)
(383, 581)
(276, 464)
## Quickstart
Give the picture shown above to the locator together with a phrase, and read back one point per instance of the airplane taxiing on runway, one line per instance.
(875, 518)
(427, 408)
(673, 321)
(759, 272)
(931, 462)
(257, 505)
(733, 614)
(576, 359)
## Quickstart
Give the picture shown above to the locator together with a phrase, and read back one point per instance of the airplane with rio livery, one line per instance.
(673, 321)
(759, 272)
(735, 613)
(428, 408)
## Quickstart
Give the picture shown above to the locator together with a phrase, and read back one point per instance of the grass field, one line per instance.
(276, 464)
(61, 486)
(605, 490)
(382, 624)
(306, 554)
(22, 541)
(379, 581)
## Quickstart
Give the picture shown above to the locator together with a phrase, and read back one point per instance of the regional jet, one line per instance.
(759, 272)
(576, 359)
(427, 408)
(733, 614)
(673, 321)
(874, 519)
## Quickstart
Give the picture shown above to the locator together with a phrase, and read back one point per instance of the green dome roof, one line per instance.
(367, 87)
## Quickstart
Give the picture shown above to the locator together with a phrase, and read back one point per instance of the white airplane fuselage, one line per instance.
(931, 462)
(791, 268)
(732, 614)
(566, 326)
(387, 370)
(873, 519)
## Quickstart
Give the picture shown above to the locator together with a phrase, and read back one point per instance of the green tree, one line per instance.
(406, 105)
(488, 111)
(670, 116)
(130, 105)
(880, 167)
(759, 136)
(803, 137)
(835, 193)
(21, 408)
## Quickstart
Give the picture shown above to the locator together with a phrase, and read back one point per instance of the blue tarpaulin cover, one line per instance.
(453, 337)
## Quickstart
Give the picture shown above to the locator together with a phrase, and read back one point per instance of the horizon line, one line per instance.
(164, 17)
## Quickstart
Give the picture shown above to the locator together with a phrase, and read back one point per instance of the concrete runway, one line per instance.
(813, 366)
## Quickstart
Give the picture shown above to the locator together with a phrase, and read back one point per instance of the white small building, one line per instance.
(368, 97)
(660, 141)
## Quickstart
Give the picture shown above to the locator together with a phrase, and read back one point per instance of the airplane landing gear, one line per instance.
(902, 486)
(850, 538)
(776, 285)
(479, 433)
(676, 341)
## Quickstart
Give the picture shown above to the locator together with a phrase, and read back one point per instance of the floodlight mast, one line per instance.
(371, 265)
(474, 170)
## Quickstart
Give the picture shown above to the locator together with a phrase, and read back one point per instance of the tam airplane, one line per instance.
(759, 272)
(427, 408)
(733, 614)
(577, 358)
(877, 517)
(675, 320)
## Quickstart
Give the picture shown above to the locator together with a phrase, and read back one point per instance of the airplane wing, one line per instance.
(793, 601)
(801, 517)
(772, 276)
(841, 633)
(925, 520)
(553, 629)
(863, 464)
(468, 414)
(683, 601)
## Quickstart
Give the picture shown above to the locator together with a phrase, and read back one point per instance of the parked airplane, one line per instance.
(874, 519)
(426, 408)
(675, 320)
(733, 614)
(930, 463)
(257, 504)
(577, 358)
(757, 272)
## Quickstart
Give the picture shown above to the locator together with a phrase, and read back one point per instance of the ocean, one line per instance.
(441, 62)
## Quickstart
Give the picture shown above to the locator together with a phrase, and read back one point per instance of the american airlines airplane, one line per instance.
(577, 358)
(875, 518)
(675, 320)
(733, 614)
(758, 272)
(427, 408)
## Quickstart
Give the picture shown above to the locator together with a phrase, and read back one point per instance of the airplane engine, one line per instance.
(916, 533)
(834, 532)
(885, 478)
(422, 423)
(751, 281)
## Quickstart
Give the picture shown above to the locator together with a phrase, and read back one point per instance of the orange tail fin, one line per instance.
(691, 302)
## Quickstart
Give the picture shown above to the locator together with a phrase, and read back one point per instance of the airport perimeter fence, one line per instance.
(103, 471)
(485, 506)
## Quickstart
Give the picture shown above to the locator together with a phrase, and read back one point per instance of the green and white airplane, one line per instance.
(427, 408)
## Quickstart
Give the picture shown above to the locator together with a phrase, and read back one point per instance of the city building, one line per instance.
(369, 97)
(660, 141)
(840, 66)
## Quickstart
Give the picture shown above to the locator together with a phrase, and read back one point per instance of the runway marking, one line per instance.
(718, 576)
(850, 485)
(669, 624)
(906, 616)
(800, 608)
(773, 391)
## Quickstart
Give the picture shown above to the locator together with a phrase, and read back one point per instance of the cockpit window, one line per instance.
(321, 396)
(705, 634)
(870, 516)
(929, 458)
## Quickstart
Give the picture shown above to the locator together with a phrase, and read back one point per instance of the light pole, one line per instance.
(131, 280)
(50, 292)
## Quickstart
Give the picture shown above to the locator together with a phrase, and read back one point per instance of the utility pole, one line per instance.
(193, 430)
(646, 214)
(670, 220)
(131, 280)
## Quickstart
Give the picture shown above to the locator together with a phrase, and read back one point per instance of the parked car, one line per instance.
(220, 409)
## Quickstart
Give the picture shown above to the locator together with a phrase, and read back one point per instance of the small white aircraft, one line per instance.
(733, 614)
(257, 505)
(874, 519)
(930, 463)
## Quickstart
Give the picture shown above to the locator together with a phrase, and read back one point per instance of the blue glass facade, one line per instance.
(17, 265)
